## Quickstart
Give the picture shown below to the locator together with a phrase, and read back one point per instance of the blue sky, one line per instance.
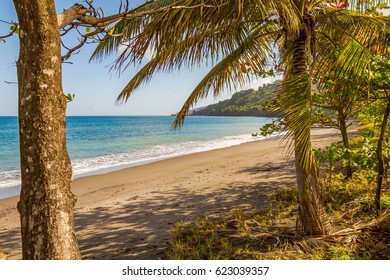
(95, 87)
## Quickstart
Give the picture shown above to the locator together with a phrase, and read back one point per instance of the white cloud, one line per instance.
(255, 84)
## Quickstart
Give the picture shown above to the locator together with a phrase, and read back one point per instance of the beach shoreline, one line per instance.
(126, 214)
(104, 144)
(12, 191)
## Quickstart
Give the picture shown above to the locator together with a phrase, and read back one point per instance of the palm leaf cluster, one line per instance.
(231, 34)
(312, 42)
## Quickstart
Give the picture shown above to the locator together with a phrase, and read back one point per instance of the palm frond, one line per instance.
(163, 30)
(193, 52)
(347, 41)
(124, 30)
(342, 26)
(231, 71)
(295, 104)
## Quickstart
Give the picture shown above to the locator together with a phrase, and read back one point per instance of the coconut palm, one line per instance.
(308, 36)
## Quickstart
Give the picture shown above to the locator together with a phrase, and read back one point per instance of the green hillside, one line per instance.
(243, 103)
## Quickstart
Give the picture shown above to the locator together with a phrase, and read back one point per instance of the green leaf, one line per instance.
(376, 58)
(111, 30)
(15, 28)
(88, 29)
(69, 97)
(369, 134)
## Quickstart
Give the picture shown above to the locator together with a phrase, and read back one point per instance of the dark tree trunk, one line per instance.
(46, 202)
(344, 134)
(381, 164)
(312, 219)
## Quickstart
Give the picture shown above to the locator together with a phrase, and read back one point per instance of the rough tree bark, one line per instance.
(46, 202)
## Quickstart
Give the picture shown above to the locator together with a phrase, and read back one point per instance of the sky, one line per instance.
(94, 86)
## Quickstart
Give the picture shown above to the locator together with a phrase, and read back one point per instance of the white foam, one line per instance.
(9, 178)
(155, 153)
(102, 164)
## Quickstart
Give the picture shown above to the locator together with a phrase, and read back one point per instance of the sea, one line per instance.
(100, 144)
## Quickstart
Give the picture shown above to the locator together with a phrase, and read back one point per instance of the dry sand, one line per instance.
(127, 214)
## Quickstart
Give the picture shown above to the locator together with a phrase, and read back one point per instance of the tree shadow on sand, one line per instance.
(138, 227)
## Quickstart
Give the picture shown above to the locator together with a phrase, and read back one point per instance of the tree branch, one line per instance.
(79, 12)
(76, 12)
(78, 15)
(13, 30)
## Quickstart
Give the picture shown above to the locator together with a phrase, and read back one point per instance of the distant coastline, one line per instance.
(248, 103)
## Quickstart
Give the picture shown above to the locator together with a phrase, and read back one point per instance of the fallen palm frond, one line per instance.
(245, 236)
(362, 241)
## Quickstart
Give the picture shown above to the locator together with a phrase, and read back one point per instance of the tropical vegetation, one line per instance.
(320, 48)
(306, 40)
(243, 103)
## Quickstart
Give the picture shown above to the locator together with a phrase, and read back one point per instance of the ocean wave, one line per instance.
(102, 164)
(9, 178)
(158, 152)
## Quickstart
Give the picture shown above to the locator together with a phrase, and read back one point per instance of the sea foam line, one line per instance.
(154, 153)
(104, 164)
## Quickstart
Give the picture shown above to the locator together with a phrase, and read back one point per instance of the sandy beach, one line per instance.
(127, 214)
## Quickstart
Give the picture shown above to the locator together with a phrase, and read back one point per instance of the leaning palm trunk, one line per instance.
(312, 219)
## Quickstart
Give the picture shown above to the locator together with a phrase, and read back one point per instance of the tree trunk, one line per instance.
(344, 134)
(381, 164)
(312, 219)
(46, 202)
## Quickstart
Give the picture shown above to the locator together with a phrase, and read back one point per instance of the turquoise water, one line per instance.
(101, 144)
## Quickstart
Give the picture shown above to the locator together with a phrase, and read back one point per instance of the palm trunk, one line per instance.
(312, 219)
(46, 202)
(381, 164)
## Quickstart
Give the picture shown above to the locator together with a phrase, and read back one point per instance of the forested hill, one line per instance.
(243, 103)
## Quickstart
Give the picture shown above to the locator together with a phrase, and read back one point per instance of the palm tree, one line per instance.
(234, 33)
